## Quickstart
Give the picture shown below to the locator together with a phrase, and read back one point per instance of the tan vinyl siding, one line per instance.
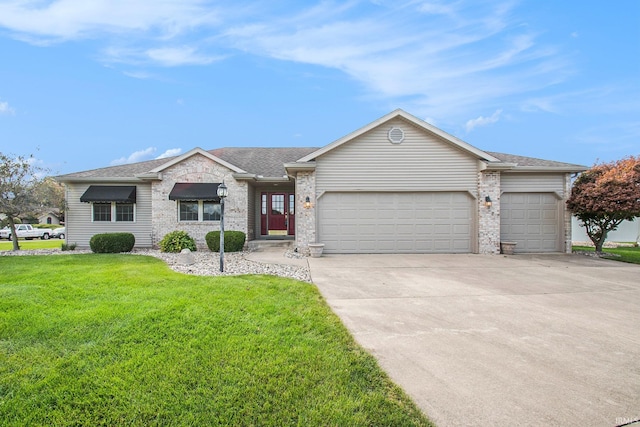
(532, 183)
(422, 162)
(80, 227)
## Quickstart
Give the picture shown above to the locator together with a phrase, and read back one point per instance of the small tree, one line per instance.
(606, 195)
(18, 178)
(49, 193)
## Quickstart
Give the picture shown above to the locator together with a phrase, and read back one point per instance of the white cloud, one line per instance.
(483, 121)
(5, 108)
(170, 153)
(135, 157)
(142, 75)
(437, 8)
(59, 20)
(174, 56)
(443, 59)
(449, 59)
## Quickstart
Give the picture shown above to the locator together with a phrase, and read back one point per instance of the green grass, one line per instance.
(7, 245)
(109, 340)
(624, 254)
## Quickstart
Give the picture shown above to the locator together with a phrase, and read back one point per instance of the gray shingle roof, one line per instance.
(269, 163)
(533, 162)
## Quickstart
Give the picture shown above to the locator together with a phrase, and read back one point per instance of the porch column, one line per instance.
(305, 217)
(488, 217)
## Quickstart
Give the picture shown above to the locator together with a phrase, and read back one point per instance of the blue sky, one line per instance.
(89, 84)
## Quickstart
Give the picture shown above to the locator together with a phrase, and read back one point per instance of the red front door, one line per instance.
(277, 214)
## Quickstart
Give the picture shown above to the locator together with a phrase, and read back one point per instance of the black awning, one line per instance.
(110, 193)
(195, 191)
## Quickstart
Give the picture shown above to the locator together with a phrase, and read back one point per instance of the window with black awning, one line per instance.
(195, 191)
(110, 193)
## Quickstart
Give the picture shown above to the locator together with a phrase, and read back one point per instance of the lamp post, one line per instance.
(222, 194)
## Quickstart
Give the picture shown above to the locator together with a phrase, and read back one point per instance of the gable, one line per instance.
(422, 161)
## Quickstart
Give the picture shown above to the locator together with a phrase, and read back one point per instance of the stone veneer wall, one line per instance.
(305, 218)
(567, 214)
(489, 218)
(200, 169)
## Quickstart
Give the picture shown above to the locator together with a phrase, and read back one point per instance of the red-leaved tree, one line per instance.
(605, 195)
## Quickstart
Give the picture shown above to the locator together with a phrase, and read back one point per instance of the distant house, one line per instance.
(396, 185)
(50, 217)
(628, 231)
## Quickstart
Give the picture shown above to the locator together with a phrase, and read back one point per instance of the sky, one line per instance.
(91, 84)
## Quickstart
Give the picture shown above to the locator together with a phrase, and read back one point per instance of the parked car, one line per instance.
(26, 231)
(59, 233)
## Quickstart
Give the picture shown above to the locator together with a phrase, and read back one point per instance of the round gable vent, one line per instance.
(396, 135)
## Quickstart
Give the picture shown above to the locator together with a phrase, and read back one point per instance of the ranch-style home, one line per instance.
(396, 185)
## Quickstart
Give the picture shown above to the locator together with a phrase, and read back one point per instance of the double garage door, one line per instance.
(532, 220)
(422, 222)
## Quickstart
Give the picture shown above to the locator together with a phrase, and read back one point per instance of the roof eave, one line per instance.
(496, 166)
(96, 179)
(150, 176)
(559, 169)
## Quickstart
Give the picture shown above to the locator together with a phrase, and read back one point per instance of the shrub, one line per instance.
(176, 241)
(233, 241)
(112, 243)
(69, 246)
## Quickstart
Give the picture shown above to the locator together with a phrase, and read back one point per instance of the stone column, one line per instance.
(489, 218)
(305, 217)
(567, 214)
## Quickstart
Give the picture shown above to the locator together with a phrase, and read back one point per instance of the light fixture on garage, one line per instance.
(488, 202)
(307, 203)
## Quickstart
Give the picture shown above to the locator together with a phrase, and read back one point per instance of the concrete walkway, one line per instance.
(493, 340)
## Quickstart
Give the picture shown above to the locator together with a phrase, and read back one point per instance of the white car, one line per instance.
(59, 233)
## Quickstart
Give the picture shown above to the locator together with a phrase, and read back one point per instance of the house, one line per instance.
(627, 232)
(51, 216)
(396, 185)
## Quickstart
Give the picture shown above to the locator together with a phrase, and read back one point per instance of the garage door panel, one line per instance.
(395, 223)
(531, 220)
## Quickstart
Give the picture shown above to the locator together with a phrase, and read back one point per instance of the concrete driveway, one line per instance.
(497, 340)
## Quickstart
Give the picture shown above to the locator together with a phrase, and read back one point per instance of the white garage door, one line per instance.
(531, 220)
(395, 222)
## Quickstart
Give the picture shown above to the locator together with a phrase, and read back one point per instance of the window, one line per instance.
(201, 210)
(107, 212)
(210, 211)
(102, 212)
(124, 212)
(188, 211)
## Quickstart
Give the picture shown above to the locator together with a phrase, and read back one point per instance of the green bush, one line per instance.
(112, 243)
(233, 241)
(176, 241)
(69, 246)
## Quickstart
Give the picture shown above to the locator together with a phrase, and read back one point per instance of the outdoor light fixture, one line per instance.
(487, 202)
(307, 203)
(222, 194)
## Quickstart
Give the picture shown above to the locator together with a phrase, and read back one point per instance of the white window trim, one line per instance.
(200, 212)
(113, 213)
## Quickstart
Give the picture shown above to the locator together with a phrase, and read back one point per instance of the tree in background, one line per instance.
(605, 195)
(50, 194)
(18, 179)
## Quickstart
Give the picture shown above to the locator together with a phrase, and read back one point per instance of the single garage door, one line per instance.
(532, 220)
(363, 222)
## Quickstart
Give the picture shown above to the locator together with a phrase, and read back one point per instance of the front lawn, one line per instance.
(622, 253)
(111, 340)
(7, 245)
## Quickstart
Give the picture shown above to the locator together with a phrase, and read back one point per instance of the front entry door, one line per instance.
(277, 217)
